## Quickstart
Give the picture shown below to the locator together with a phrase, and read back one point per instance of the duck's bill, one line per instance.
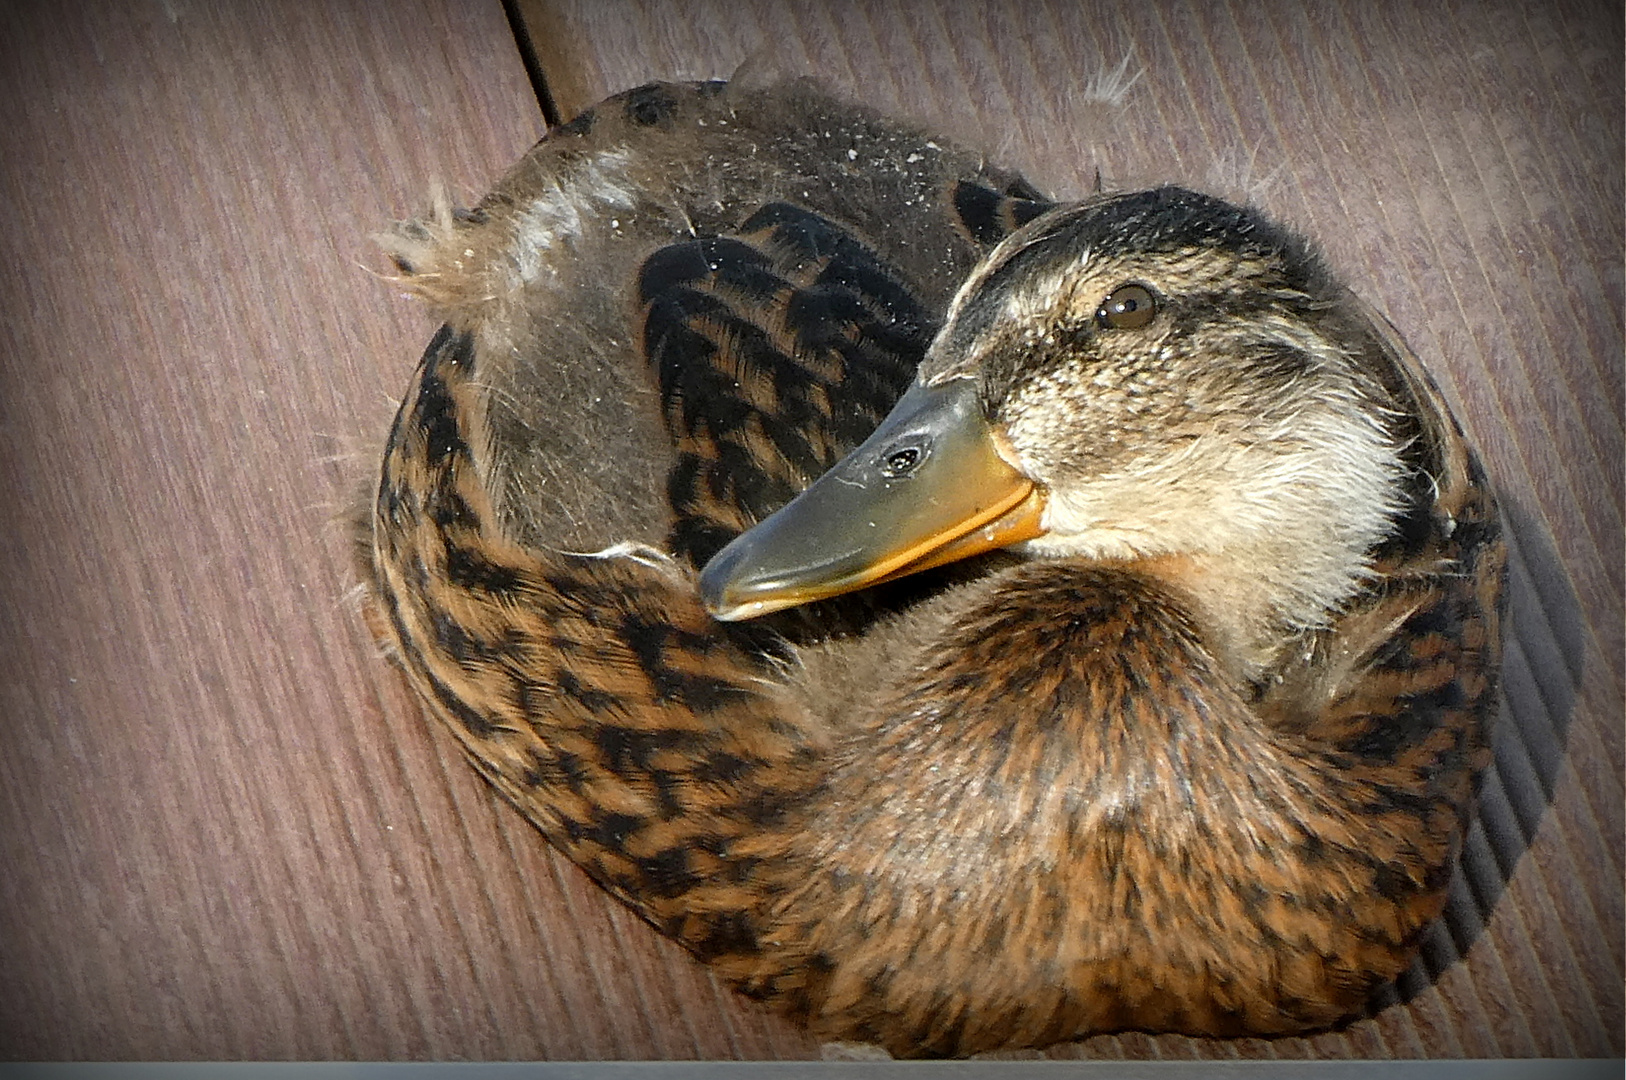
(934, 483)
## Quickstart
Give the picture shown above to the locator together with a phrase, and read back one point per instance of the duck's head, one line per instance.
(1158, 377)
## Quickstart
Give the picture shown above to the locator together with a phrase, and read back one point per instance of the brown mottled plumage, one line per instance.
(1194, 756)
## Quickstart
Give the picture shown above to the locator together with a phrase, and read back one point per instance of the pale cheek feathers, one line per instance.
(1295, 516)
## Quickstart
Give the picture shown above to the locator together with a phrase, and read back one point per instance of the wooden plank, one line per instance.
(1463, 170)
(227, 829)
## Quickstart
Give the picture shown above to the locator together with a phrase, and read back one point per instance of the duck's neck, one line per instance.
(1248, 611)
(1263, 538)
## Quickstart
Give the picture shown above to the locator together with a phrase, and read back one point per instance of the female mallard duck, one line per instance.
(1186, 739)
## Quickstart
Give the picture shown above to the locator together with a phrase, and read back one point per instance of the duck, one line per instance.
(966, 621)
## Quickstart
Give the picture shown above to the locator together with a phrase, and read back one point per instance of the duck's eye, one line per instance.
(900, 461)
(1130, 307)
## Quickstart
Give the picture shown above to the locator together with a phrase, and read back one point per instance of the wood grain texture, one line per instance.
(227, 830)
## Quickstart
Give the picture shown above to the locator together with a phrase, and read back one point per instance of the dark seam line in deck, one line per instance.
(533, 66)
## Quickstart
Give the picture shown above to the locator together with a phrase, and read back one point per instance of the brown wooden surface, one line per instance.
(227, 831)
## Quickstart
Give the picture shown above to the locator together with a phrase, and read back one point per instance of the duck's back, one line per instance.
(699, 286)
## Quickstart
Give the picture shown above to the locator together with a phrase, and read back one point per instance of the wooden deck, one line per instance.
(225, 829)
